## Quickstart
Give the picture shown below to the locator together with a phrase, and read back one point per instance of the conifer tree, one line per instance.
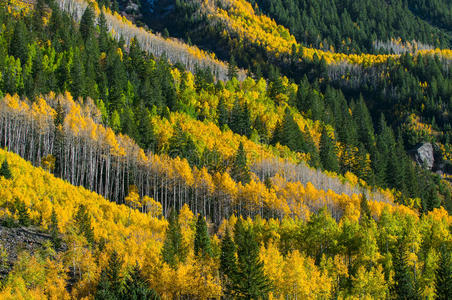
(404, 286)
(443, 281)
(87, 23)
(328, 156)
(202, 240)
(172, 250)
(364, 206)
(228, 260)
(114, 273)
(54, 232)
(5, 170)
(249, 280)
(223, 114)
(136, 287)
(83, 221)
(232, 68)
(103, 291)
(239, 169)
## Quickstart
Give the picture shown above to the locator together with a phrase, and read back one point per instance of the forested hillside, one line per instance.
(151, 169)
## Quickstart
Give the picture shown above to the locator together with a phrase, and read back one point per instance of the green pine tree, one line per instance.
(114, 274)
(5, 170)
(136, 287)
(404, 287)
(228, 261)
(83, 221)
(54, 232)
(249, 280)
(232, 68)
(103, 291)
(328, 155)
(364, 207)
(239, 170)
(173, 251)
(443, 282)
(223, 114)
(87, 28)
(202, 240)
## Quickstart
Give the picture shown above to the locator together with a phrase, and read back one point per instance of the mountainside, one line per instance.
(206, 149)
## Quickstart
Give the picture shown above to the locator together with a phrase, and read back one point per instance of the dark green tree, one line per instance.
(103, 291)
(202, 240)
(249, 280)
(223, 114)
(404, 286)
(328, 153)
(173, 251)
(136, 287)
(239, 170)
(83, 221)
(443, 281)
(5, 170)
(54, 231)
(114, 276)
(232, 68)
(87, 28)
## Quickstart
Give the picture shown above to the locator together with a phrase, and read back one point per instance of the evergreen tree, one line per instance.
(5, 170)
(202, 239)
(223, 114)
(113, 271)
(83, 221)
(232, 68)
(443, 282)
(172, 250)
(328, 155)
(228, 260)
(136, 287)
(364, 207)
(103, 291)
(22, 211)
(404, 287)
(58, 139)
(239, 169)
(54, 231)
(249, 280)
(87, 23)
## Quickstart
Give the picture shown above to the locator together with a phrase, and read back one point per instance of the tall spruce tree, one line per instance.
(328, 155)
(5, 170)
(239, 170)
(443, 281)
(202, 240)
(83, 221)
(87, 28)
(404, 284)
(249, 280)
(54, 232)
(173, 251)
(136, 287)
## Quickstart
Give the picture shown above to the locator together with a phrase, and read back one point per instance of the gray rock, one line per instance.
(423, 155)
